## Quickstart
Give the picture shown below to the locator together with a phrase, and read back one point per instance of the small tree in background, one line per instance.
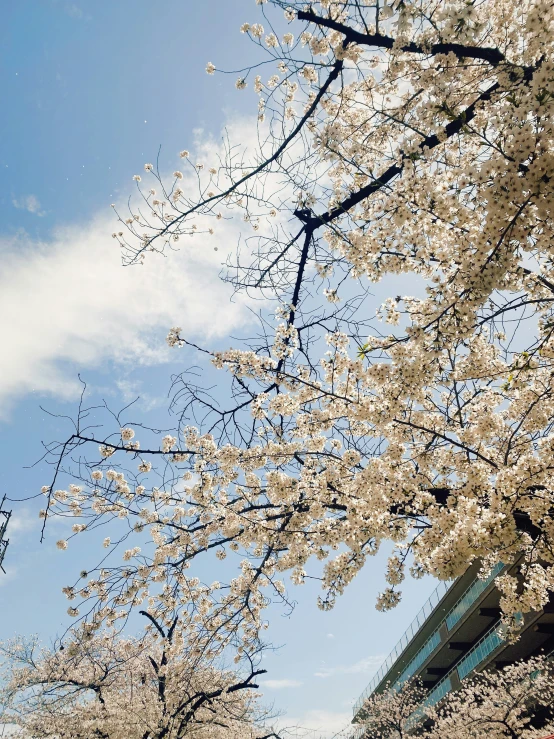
(390, 714)
(105, 686)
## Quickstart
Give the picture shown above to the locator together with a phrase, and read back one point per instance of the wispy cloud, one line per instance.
(316, 724)
(366, 665)
(20, 523)
(133, 388)
(279, 684)
(72, 9)
(30, 203)
(75, 11)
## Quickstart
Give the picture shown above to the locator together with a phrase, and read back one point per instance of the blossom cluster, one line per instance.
(163, 685)
(496, 704)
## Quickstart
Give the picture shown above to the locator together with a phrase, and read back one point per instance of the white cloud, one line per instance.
(330, 636)
(69, 302)
(278, 684)
(29, 203)
(366, 665)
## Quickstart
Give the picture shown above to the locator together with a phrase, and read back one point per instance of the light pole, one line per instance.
(4, 518)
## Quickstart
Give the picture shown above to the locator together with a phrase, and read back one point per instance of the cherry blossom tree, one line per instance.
(405, 138)
(392, 714)
(105, 686)
(512, 703)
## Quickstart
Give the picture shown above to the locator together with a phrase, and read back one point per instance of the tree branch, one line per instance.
(489, 54)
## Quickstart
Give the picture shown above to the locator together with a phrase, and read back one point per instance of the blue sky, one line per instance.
(92, 90)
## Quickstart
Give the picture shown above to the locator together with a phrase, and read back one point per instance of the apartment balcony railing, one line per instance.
(463, 604)
(469, 662)
(433, 600)
(428, 648)
(470, 596)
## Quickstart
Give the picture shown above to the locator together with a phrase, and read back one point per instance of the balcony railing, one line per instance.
(437, 694)
(469, 597)
(433, 600)
(477, 654)
(428, 648)
(485, 646)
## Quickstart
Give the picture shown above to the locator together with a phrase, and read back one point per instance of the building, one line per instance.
(455, 634)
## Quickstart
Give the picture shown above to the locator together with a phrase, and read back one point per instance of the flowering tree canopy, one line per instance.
(411, 137)
(98, 685)
(499, 705)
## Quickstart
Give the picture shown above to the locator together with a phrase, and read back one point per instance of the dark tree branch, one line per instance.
(491, 55)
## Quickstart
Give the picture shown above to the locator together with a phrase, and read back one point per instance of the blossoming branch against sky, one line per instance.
(278, 346)
(93, 90)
